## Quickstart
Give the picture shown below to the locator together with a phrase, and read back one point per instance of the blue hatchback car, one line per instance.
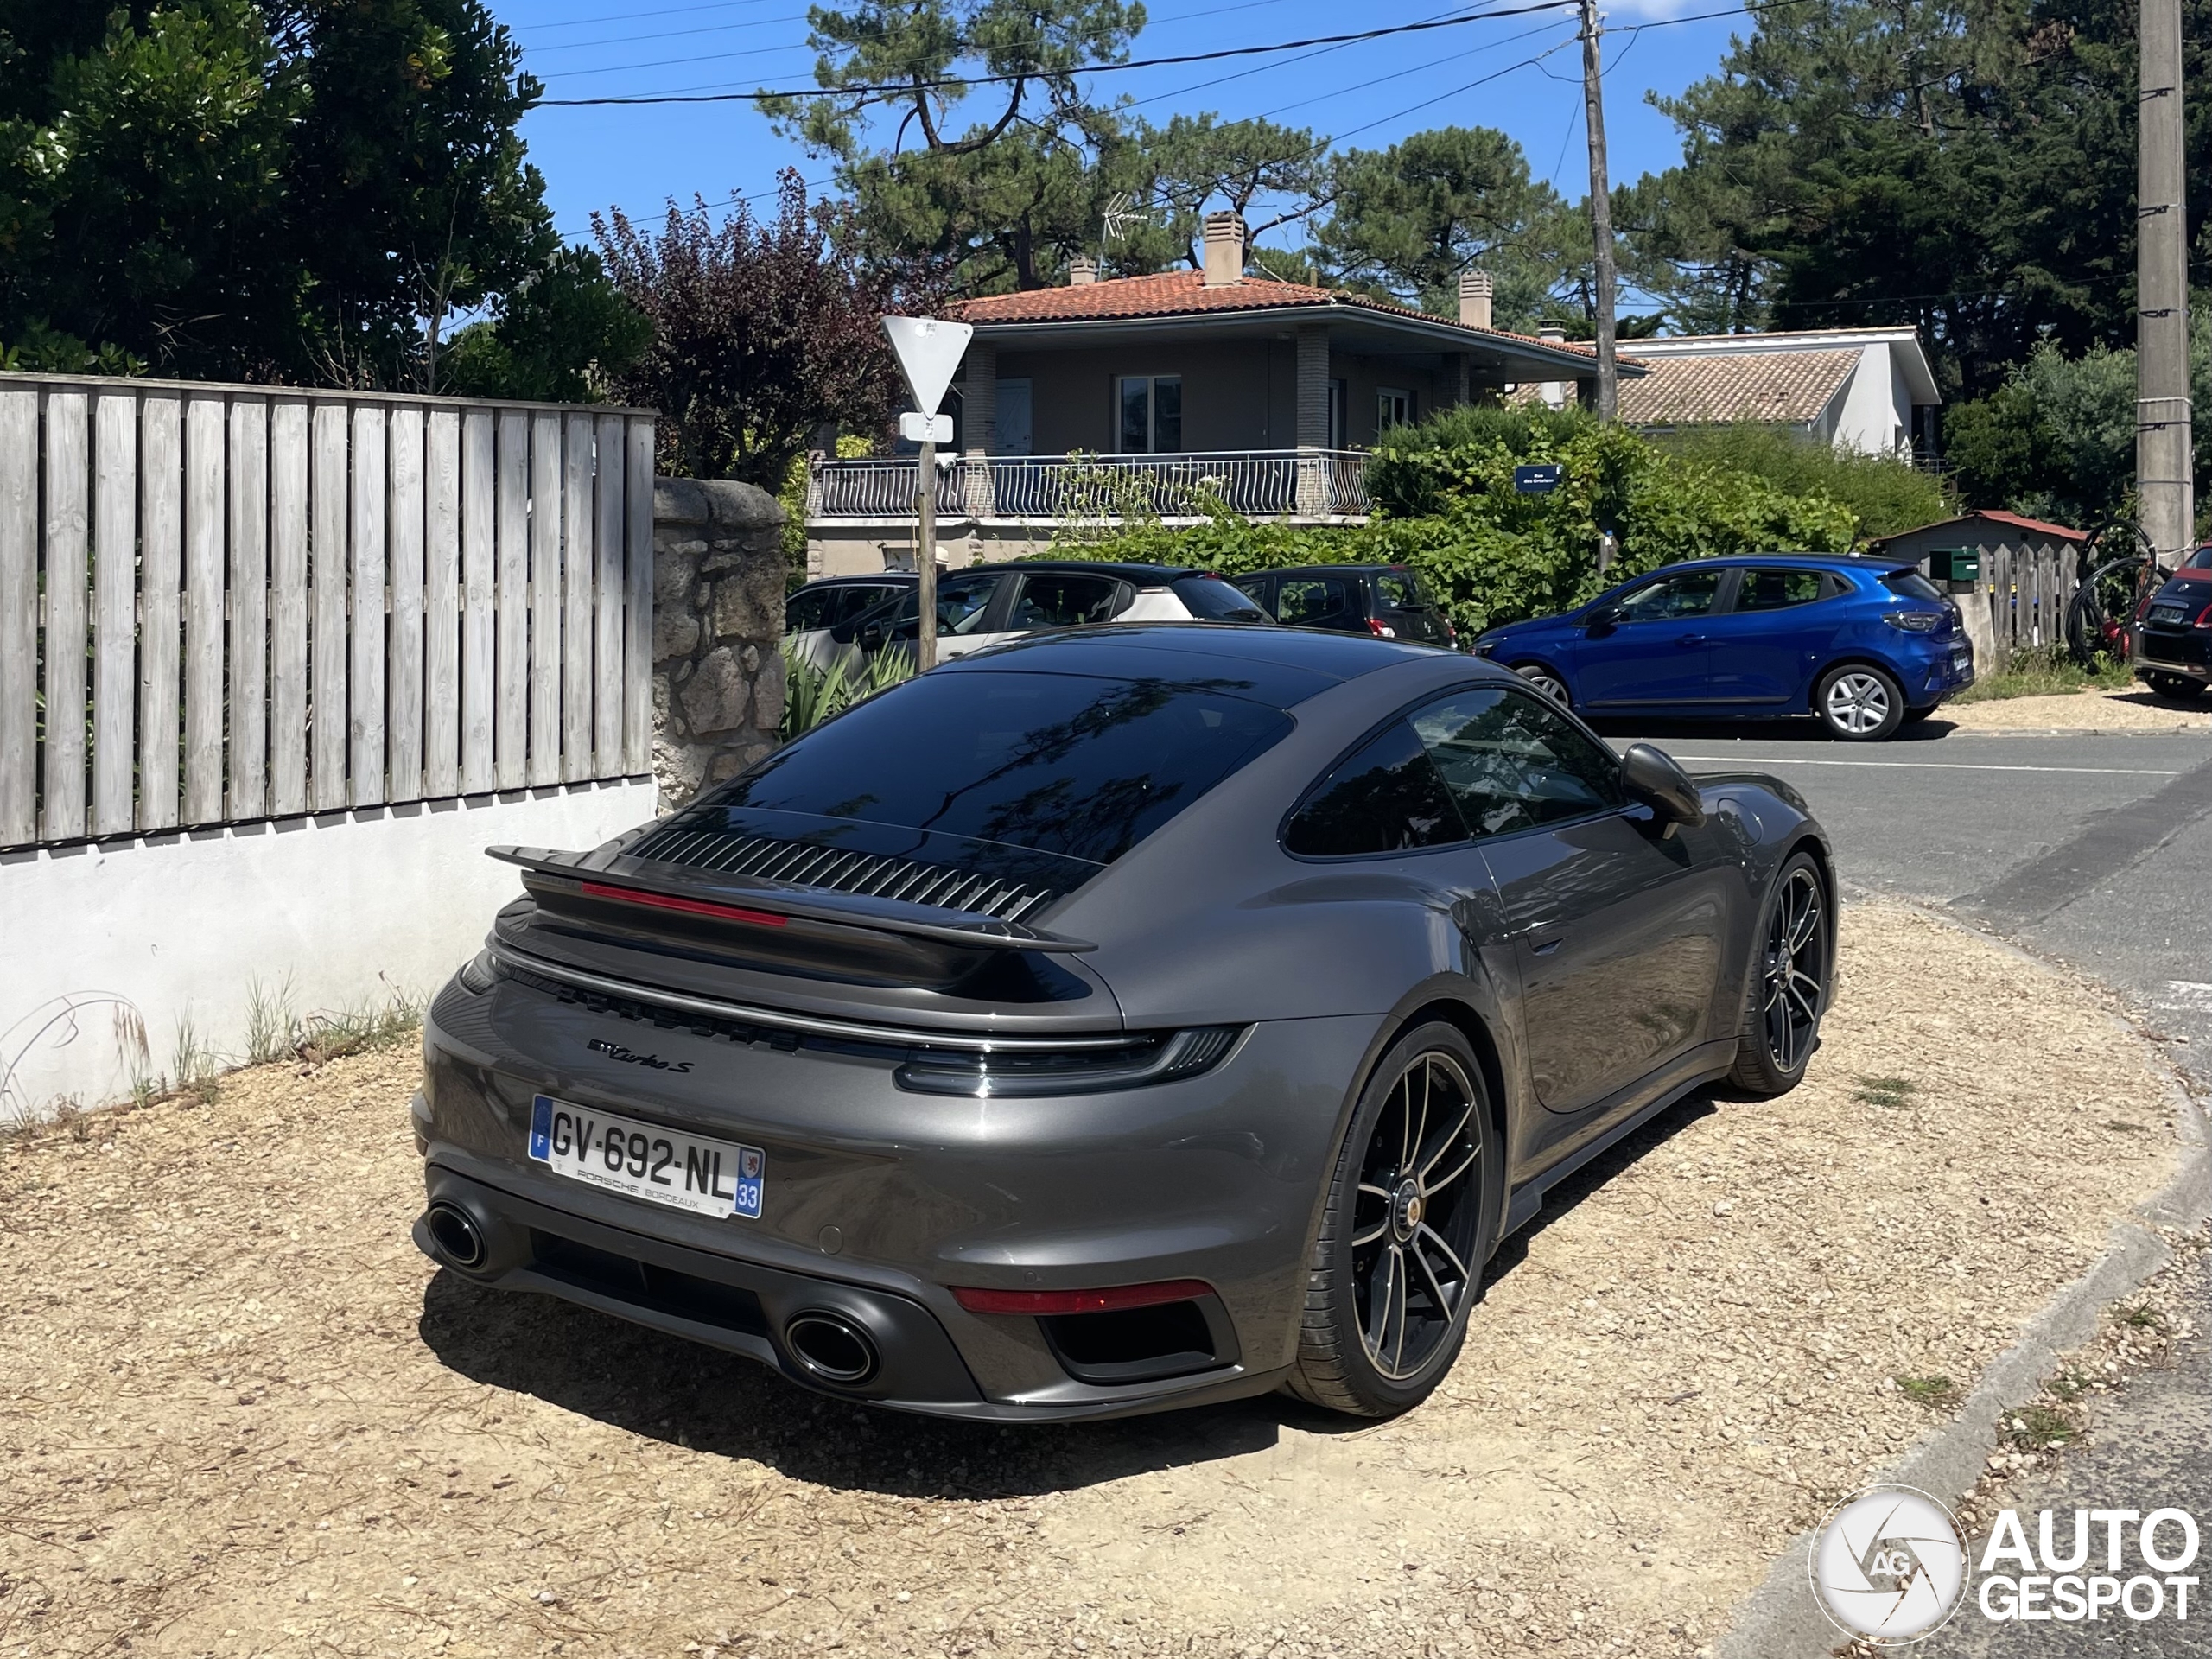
(1863, 645)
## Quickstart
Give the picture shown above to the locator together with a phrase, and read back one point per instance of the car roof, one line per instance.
(1811, 561)
(1283, 666)
(875, 580)
(1131, 568)
(1330, 570)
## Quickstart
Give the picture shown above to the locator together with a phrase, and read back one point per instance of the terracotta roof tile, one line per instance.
(1184, 293)
(1793, 387)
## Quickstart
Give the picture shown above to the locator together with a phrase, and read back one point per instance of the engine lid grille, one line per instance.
(842, 869)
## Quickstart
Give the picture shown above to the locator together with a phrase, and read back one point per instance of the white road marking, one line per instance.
(1927, 765)
(2186, 993)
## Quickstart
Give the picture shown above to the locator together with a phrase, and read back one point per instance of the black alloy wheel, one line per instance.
(1788, 986)
(2180, 687)
(1412, 1215)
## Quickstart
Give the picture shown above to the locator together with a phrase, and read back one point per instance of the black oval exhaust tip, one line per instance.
(456, 1233)
(832, 1348)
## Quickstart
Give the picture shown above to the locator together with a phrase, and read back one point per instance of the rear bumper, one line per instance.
(2184, 652)
(747, 1308)
(877, 1201)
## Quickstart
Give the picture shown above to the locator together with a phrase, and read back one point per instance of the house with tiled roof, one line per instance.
(1870, 389)
(1157, 395)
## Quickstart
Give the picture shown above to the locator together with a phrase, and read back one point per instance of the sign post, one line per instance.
(928, 351)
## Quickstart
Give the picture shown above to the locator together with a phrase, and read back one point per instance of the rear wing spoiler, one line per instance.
(745, 899)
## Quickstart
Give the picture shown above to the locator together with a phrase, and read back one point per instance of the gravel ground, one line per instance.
(239, 1415)
(2133, 710)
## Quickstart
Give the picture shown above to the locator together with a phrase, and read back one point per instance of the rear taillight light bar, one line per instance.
(1109, 1299)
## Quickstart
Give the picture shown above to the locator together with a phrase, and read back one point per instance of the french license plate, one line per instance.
(2168, 613)
(709, 1177)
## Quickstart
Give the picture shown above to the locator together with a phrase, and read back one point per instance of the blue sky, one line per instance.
(1364, 95)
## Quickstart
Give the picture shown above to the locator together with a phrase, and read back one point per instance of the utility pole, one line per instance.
(2165, 482)
(1601, 209)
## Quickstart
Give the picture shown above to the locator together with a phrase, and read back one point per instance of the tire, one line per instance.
(1402, 1227)
(1859, 703)
(1546, 682)
(2179, 687)
(1788, 982)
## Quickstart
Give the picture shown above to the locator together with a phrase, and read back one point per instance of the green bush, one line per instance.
(1885, 496)
(1447, 506)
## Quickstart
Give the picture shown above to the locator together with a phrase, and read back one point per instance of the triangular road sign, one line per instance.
(929, 353)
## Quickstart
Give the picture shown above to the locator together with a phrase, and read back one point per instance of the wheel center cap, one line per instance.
(1406, 1207)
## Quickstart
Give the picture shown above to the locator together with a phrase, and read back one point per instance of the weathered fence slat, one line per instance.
(637, 600)
(288, 606)
(220, 603)
(249, 506)
(576, 588)
(160, 568)
(204, 464)
(403, 555)
(68, 575)
(326, 637)
(366, 693)
(478, 459)
(442, 604)
(18, 614)
(545, 599)
(115, 595)
(511, 719)
(607, 541)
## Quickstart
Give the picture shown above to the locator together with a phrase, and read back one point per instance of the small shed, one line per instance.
(2028, 570)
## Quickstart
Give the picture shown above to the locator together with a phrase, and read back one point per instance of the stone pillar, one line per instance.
(718, 632)
(979, 428)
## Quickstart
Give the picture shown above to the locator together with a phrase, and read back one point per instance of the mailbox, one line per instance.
(1959, 564)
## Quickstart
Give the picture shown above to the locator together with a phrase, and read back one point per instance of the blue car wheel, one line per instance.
(1546, 682)
(1860, 703)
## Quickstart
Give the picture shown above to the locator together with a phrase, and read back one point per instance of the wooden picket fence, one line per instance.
(2026, 590)
(221, 603)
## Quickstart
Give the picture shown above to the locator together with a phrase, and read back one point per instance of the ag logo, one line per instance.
(1888, 1563)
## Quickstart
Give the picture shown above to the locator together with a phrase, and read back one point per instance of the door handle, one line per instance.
(1544, 947)
(1690, 639)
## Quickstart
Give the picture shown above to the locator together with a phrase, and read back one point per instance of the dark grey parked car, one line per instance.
(1120, 1019)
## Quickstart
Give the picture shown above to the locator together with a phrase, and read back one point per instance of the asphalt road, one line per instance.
(2094, 851)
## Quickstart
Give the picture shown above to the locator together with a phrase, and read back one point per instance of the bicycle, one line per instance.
(2111, 592)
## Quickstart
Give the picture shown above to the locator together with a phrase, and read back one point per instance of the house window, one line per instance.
(1339, 415)
(1151, 414)
(1392, 408)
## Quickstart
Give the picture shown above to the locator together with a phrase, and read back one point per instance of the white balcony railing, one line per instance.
(1078, 489)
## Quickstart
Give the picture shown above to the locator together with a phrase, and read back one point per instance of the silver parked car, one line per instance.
(815, 610)
(1122, 1019)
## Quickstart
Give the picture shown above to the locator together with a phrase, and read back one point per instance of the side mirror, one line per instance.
(871, 637)
(1657, 779)
(1604, 616)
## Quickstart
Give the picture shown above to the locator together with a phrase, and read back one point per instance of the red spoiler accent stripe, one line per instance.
(690, 907)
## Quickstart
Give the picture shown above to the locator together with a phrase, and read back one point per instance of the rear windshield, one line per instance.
(1058, 763)
(1216, 600)
(1912, 585)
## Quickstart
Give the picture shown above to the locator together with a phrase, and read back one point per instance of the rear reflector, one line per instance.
(1043, 1303)
(688, 906)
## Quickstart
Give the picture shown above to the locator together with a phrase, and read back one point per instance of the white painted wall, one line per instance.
(1870, 418)
(349, 908)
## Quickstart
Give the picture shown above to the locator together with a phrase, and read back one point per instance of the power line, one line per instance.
(1085, 69)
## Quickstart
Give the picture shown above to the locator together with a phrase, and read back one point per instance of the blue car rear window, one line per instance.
(1058, 763)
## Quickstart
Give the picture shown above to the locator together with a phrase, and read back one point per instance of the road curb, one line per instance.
(1780, 1619)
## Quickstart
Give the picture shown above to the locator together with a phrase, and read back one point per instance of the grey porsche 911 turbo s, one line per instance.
(1113, 1021)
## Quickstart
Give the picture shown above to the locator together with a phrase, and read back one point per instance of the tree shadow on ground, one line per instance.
(666, 1388)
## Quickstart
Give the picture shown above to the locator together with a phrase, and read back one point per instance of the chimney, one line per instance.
(1224, 234)
(1474, 298)
(1554, 391)
(1083, 270)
